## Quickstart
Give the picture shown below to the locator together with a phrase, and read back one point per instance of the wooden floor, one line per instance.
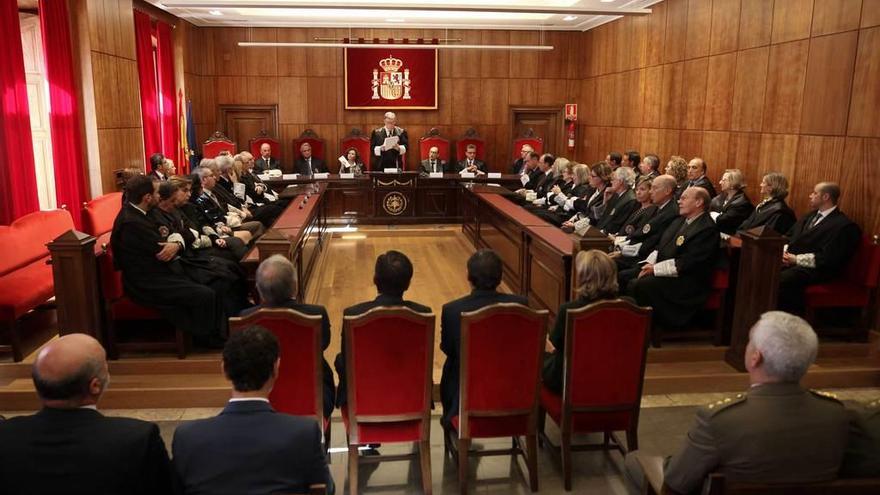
(439, 254)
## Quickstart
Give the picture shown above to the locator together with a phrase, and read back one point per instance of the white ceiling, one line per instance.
(444, 14)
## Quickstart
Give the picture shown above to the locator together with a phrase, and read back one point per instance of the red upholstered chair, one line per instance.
(389, 362)
(718, 302)
(309, 136)
(431, 139)
(26, 281)
(98, 216)
(606, 344)
(299, 389)
(854, 289)
(216, 143)
(358, 140)
(528, 137)
(263, 138)
(499, 384)
(470, 136)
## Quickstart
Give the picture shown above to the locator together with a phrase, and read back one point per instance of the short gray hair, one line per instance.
(788, 344)
(224, 163)
(276, 280)
(624, 174)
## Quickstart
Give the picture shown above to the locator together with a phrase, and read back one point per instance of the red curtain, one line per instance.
(147, 76)
(18, 181)
(70, 185)
(170, 127)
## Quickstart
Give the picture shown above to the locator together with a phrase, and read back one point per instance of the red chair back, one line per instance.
(216, 143)
(27, 236)
(317, 144)
(500, 380)
(470, 137)
(99, 214)
(263, 138)
(606, 344)
(431, 139)
(298, 389)
(528, 137)
(389, 367)
(358, 140)
(111, 278)
(864, 268)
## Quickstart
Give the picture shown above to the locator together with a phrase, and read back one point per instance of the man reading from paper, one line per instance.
(389, 144)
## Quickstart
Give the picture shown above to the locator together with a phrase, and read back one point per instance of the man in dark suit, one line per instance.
(433, 163)
(819, 247)
(484, 274)
(613, 159)
(265, 162)
(677, 284)
(276, 284)
(696, 174)
(249, 448)
(68, 446)
(307, 164)
(470, 162)
(648, 167)
(392, 276)
(157, 165)
(519, 166)
(776, 432)
(393, 156)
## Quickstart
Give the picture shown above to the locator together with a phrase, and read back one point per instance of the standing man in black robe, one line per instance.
(148, 255)
(392, 157)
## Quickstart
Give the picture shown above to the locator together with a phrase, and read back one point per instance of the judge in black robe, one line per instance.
(772, 210)
(392, 157)
(733, 208)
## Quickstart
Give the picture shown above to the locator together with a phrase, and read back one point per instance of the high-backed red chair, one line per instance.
(527, 137)
(26, 280)
(299, 389)
(499, 384)
(470, 136)
(309, 136)
(389, 363)
(718, 302)
(216, 143)
(358, 140)
(263, 138)
(98, 216)
(433, 138)
(606, 344)
(854, 289)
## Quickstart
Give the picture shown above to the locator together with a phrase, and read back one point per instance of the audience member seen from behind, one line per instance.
(776, 432)
(248, 447)
(68, 446)
(277, 285)
(392, 276)
(596, 276)
(484, 274)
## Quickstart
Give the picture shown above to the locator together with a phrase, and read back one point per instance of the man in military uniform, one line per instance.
(777, 432)
(391, 157)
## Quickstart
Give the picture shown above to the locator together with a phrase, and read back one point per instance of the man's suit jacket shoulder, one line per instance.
(368, 305)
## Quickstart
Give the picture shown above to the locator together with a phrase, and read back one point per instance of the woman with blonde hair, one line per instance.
(731, 207)
(772, 211)
(596, 276)
(678, 168)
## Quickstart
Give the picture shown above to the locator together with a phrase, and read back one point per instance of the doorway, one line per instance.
(546, 122)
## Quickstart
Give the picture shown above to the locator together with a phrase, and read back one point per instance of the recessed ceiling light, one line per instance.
(395, 20)
(569, 18)
(215, 12)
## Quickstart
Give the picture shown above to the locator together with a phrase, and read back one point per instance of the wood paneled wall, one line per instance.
(476, 88)
(760, 85)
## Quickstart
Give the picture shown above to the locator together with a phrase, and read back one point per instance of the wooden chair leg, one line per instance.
(632, 439)
(447, 442)
(180, 343)
(656, 336)
(112, 346)
(15, 342)
(532, 460)
(566, 460)
(606, 438)
(464, 444)
(542, 425)
(353, 460)
(328, 437)
(425, 465)
(718, 338)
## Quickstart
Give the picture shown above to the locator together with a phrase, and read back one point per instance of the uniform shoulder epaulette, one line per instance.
(875, 404)
(825, 395)
(718, 406)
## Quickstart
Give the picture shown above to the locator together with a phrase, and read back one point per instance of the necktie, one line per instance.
(470, 164)
(433, 166)
(311, 171)
(815, 220)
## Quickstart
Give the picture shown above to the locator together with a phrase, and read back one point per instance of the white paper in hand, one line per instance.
(524, 179)
(582, 226)
(715, 215)
(390, 142)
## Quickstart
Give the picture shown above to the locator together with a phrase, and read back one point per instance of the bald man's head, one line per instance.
(71, 371)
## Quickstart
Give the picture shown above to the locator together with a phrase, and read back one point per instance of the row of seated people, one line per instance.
(776, 432)
(667, 229)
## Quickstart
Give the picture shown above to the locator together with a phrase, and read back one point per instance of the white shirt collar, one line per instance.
(827, 212)
(245, 399)
(136, 207)
(93, 407)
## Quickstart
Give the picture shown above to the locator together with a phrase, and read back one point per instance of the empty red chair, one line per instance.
(431, 139)
(606, 345)
(389, 360)
(299, 389)
(217, 143)
(471, 137)
(499, 384)
(854, 289)
(99, 214)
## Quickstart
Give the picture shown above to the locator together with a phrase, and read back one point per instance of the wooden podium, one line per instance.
(757, 286)
(75, 273)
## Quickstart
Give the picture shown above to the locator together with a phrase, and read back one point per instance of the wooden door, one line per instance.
(241, 123)
(545, 121)
(38, 103)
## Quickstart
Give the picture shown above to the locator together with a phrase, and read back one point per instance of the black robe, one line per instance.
(619, 208)
(388, 158)
(773, 213)
(731, 213)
